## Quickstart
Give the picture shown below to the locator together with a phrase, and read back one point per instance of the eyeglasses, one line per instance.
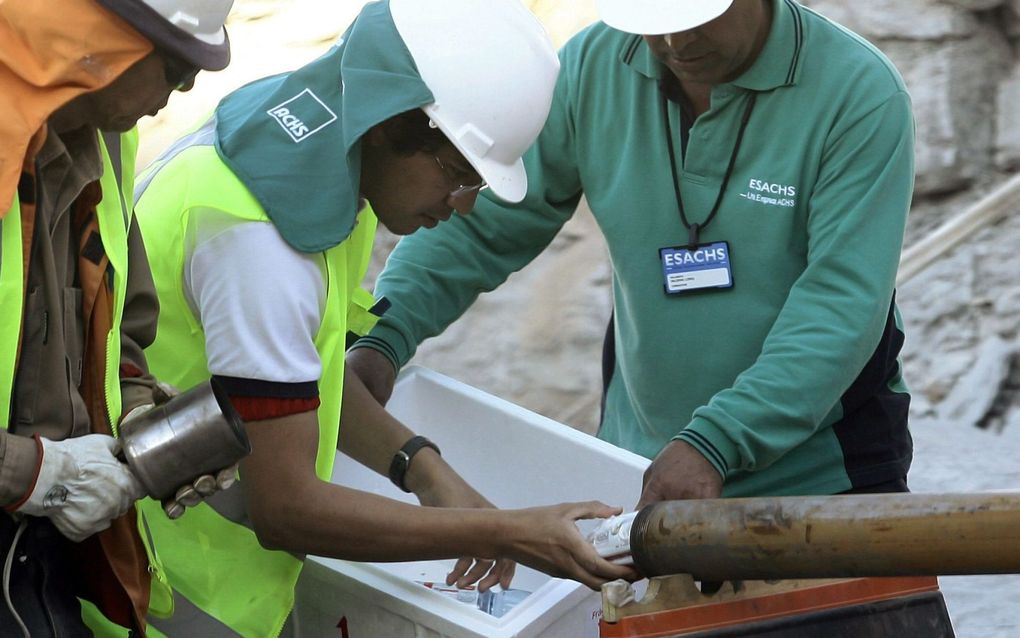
(458, 177)
(179, 74)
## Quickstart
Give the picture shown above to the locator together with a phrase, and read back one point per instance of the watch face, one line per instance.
(398, 469)
(402, 459)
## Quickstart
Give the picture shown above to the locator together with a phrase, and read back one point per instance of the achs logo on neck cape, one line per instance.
(303, 115)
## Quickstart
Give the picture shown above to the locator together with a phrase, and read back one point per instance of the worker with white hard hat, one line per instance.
(77, 298)
(259, 227)
(750, 164)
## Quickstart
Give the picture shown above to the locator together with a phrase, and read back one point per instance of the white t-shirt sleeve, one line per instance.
(260, 302)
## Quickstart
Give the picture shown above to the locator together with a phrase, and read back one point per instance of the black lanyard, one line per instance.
(694, 230)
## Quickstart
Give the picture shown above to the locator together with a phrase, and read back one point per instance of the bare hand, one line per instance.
(374, 370)
(547, 539)
(678, 473)
(198, 490)
(467, 571)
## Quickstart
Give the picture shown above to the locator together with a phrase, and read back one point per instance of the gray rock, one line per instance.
(900, 19)
(950, 310)
(1011, 17)
(976, 5)
(975, 394)
(942, 293)
(953, 85)
(1007, 140)
(1011, 421)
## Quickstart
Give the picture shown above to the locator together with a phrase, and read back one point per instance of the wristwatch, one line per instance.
(402, 459)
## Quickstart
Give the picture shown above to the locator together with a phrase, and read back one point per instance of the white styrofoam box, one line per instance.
(516, 459)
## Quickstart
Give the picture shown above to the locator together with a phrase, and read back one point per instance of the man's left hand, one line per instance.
(198, 490)
(468, 571)
(204, 486)
(678, 473)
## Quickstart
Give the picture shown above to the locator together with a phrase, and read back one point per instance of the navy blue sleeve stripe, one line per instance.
(798, 36)
(704, 444)
(238, 387)
(379, 344)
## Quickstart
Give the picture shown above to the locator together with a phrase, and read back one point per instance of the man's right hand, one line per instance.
(374, 370)
(80, 485)
(679, 472)
(547, 539)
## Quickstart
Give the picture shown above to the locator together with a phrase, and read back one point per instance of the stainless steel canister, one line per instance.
(195, 433)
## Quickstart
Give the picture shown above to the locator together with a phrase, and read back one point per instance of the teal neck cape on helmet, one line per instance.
(294, 139)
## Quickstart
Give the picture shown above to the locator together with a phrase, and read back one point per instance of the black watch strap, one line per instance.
(402, 459)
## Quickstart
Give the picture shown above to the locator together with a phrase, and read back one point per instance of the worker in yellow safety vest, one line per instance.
(77, 298)
(259, 227)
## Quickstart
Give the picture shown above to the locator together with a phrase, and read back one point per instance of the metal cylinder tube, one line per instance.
(830, 536)
(195, 433)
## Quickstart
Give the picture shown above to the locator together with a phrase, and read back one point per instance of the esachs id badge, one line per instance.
(707, 266)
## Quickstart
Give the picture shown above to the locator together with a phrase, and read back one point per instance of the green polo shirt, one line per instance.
(788, 382)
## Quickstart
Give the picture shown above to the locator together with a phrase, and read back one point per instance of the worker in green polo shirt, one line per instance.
(750, 164)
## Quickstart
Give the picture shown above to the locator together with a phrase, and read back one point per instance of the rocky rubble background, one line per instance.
(960, 61)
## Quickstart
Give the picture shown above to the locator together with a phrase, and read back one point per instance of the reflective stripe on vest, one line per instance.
(189, 620)
(114, 215)
(211, 556)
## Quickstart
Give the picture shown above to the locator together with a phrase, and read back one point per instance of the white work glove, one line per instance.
(81, 486)
(204, 486)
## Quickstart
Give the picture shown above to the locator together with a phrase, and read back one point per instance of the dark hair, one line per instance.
(409, 133)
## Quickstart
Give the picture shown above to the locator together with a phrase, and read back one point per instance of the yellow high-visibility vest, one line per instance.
(224, 582)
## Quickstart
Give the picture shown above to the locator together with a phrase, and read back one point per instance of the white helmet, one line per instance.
(191, 30)
(491, 68)
(657, 17)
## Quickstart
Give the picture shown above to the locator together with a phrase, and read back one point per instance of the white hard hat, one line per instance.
(491, 68)
(191, 30)
(656, 17)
